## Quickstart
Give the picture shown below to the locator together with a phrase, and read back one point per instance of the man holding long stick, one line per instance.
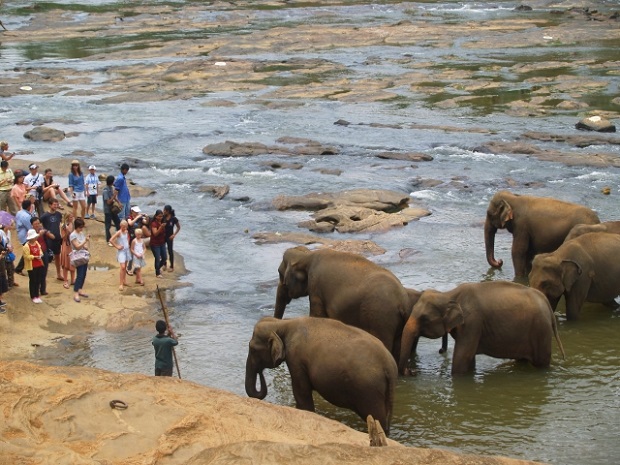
(164, 347)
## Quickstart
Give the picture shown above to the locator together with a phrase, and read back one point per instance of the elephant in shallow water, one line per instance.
(497, 318)
(347, 366)
(349, 288)
(586, 268)
(581, 229)
(537, 225)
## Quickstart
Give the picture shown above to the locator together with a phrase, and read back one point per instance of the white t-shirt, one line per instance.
(91, 181)
(33, 180)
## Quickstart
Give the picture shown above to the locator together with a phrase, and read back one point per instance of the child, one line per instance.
(120, 240)
(164, 345)
(92, 187)
(137, 250)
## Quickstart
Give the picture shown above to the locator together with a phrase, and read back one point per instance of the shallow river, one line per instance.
(568, 414)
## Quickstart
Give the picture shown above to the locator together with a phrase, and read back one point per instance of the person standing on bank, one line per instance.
(122, 192)
(68, 270)
(164, 344)
(92, 188)
(7, 178)
(19, 191)
(34, 185)
(77, 189)
(33, 263)
(9, 256)
(79, 241)
(158, 241)
(51, 221)
(44, 234)
(6, 156)
(121, 241)
(172, 229)
(22, 225)
(107, 198)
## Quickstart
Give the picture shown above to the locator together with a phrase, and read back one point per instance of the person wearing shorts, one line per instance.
(121, 241)
(77, 189)
(92, 191)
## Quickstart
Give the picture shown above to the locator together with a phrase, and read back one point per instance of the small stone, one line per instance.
(606, 190)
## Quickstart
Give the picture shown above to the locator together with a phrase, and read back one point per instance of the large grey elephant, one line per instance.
(585, 268)
(581, 229)
(497, 318)
(347, 366)
(537, 225)
(349, 288)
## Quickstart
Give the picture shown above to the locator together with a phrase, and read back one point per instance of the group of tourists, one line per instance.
(47, 236)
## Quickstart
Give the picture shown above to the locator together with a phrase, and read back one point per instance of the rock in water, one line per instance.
(595, 123)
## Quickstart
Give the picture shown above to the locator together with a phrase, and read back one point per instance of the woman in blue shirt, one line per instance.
(77, 188)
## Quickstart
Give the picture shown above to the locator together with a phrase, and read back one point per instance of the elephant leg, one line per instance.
(464, 357)
(444, 344)
(302, 391)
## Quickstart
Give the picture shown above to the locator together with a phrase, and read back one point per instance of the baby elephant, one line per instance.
(500, 319)
(347, 366)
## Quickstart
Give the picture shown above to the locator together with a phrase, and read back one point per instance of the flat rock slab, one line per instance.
(361, 210)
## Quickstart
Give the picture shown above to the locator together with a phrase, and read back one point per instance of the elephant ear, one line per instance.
(505, 214)
(277, 349)
(453, 316)
(571, 270)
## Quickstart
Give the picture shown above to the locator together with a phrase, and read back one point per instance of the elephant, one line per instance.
(346, 287)
(538, 225)
(580, 229)
(347, 366)
(583, 269)
(498, 318)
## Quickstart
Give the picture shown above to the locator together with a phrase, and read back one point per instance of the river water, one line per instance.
(568, 414)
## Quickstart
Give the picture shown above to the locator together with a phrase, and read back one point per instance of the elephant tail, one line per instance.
(554, 325)
(390, 378)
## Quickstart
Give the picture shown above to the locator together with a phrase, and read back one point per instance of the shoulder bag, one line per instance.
(79, 257)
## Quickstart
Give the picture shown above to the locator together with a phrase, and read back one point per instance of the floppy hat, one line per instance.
(75, 162)
(32, 234)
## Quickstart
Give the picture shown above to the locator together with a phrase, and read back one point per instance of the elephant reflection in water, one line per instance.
(349, 288)
(347, 366)
(497, 318)
(537, 224)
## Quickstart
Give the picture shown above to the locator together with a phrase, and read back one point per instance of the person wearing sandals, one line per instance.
(172, 229)
(137, 251)
(79, 241)
(120, 240)
(158, 241)
(66, 228)
(51, 189)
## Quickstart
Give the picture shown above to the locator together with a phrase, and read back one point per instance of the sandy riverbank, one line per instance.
(63, 414)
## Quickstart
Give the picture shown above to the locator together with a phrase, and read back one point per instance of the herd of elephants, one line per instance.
(371, 324)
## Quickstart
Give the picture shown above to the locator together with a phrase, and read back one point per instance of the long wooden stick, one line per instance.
(163, 307)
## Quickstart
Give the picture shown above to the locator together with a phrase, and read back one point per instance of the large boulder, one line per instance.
(359, 210)
(45, 134)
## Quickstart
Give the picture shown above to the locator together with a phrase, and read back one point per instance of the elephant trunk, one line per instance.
(411, 334)
(282, 300)
(489, 243)
(250, 382)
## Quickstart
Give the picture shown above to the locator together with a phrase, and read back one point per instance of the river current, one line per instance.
(567, 414)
